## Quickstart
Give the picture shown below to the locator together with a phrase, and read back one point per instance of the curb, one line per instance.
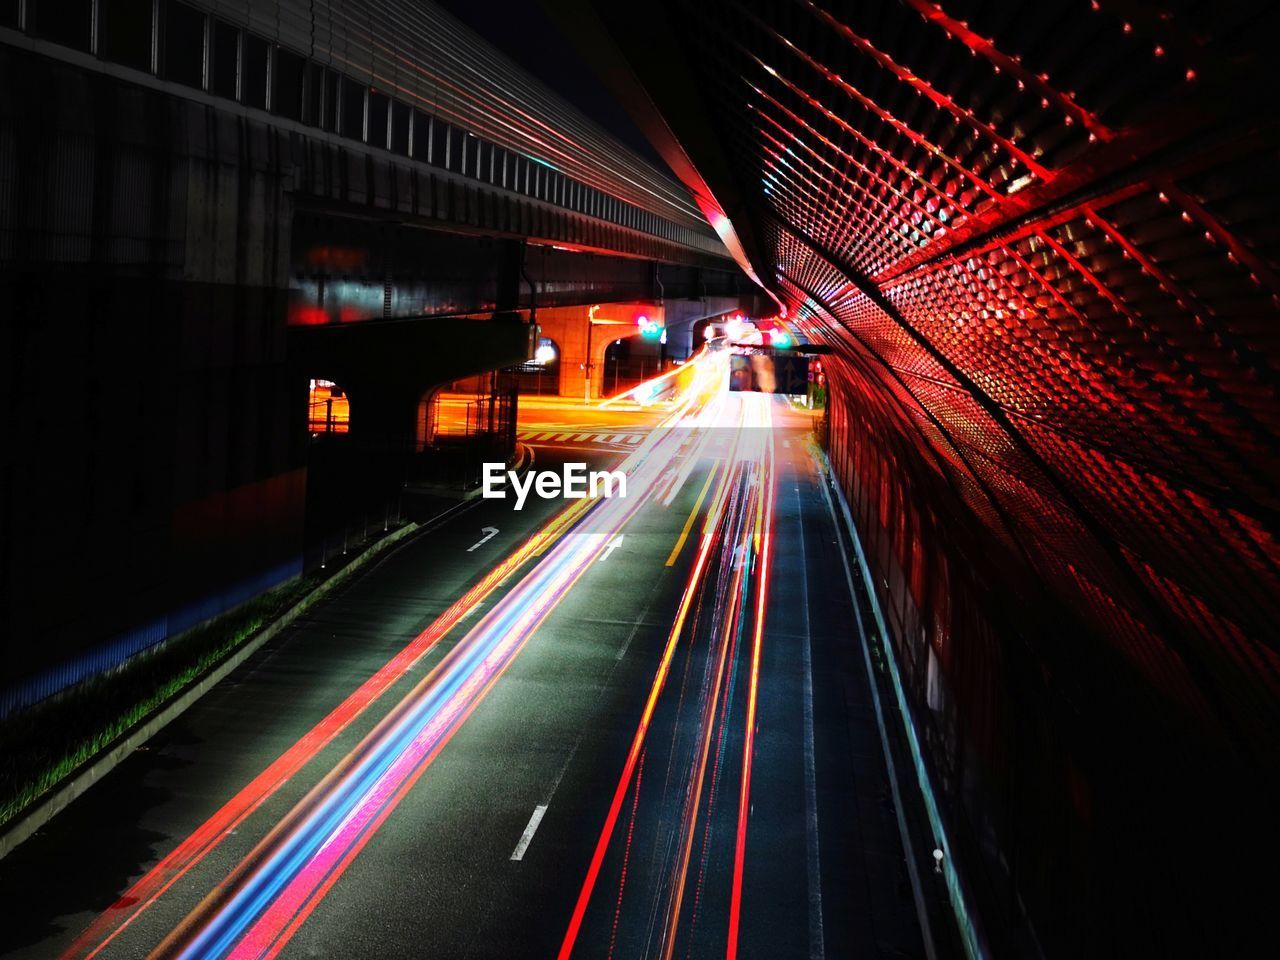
(93, 770)
(967, 929)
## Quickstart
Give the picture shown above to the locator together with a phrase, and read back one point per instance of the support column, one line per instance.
(510, 276)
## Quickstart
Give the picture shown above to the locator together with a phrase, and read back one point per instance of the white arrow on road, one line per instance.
(489, 534)
(614, 544)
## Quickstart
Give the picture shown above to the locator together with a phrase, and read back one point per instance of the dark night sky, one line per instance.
(522, 31)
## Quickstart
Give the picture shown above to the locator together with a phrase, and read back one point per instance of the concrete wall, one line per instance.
(153, 467)
(568, 327)
(154, 464)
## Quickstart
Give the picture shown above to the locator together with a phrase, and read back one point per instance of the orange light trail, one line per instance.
(206, 838)
(764, 538)
(646, 716)
(256, 909)
(739, 520)
(694, 797)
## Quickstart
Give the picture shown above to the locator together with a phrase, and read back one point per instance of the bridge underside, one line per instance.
(170, 263)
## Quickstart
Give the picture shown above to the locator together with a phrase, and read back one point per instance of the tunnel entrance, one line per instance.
(353, 481)
(631, 360)
(463, 425)
(328, 408)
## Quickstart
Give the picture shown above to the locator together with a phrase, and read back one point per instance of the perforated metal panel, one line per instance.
(1041, 238)
(1048, 231)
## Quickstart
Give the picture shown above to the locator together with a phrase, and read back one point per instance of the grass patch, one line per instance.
(40, 747)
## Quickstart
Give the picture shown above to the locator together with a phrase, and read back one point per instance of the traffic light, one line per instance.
(649, 329)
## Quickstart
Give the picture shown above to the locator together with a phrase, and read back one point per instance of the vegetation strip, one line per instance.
(52, 753)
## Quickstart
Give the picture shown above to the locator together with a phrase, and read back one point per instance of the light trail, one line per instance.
(191, 851)
(739, 521)
(690, 592)
(693, 516)
(651, 387)
(329, 820)
(726, 641)
(764, 538)
(257, 908)
(306, 853)
(148, 889)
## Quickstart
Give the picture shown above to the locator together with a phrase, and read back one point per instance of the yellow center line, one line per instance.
(688, 524)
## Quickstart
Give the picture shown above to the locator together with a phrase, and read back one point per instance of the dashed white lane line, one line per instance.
(527, 837)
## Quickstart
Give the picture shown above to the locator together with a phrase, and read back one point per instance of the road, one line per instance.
(635, 727)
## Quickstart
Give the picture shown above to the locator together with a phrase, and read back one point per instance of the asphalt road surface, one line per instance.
(617, 728)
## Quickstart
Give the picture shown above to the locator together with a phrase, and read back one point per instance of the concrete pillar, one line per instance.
(510, 268)
(385, 417)
(572, 327)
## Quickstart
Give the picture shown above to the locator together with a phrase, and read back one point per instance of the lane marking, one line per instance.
(764, 538)
(635, 625)
(917, 891)
(693, 515)
(527, 837)
(489, 534)
(614, 544)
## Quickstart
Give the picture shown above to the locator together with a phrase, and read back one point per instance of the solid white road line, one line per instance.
(913, 874)
(527, 837)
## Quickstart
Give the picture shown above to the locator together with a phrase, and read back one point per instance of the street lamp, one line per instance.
(648, 328)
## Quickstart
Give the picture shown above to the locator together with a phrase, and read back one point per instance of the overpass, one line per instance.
(190, 193)
(973, 655)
